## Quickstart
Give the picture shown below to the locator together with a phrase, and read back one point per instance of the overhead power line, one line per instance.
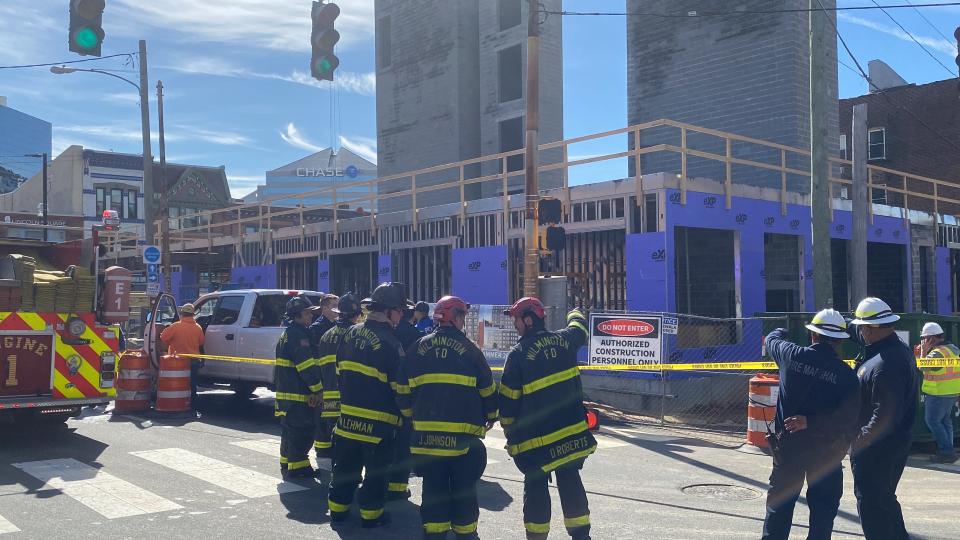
(698, 13)
(924, 17)
(129, 55)
(907, 32)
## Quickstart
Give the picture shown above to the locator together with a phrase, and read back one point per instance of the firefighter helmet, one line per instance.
(874, 311)
(389, 296)
(297, 304)
(830, 323)
(349, 305)
(448, 307)
(527, 305)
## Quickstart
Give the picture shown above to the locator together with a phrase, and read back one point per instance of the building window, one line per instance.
(605, 209)
(174, 213)
(843, 146)
(618, 208)
(509, 11)
(577, 212)
(651, 213)
(384, 52)
(116, 200)
(101, 201)
(511, 138)
(877, 142)
(510, 63)
(132, 204)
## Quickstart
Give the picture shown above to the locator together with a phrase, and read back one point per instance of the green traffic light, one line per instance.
(86, 38)
(324, 66)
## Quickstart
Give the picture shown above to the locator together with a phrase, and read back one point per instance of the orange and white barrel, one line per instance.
(173, 384)
(134, 382)
(762, 408)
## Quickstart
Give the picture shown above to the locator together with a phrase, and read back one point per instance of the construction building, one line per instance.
(21, 135)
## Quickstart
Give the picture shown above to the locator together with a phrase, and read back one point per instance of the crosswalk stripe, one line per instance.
(7, 527)
(270, 447)
(103, 493)
(251, 484)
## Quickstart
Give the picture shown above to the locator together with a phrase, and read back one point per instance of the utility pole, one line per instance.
(860, 195)
(164, 213)
(531, 259)
(820, 196)
(148, 199)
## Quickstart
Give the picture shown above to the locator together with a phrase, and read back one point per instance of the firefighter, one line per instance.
(941, 386)
(543, 417)
(367, 359)
(325, 316)
(326, 416)
(446, 389)
(408, 334)
(299, 389)
(816, 418)
(889, 388)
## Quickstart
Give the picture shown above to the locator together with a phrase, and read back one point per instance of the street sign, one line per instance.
(151, 255)
(625, 340)
(153, 268)
(153, 289)
(670, 325)
(153, 278)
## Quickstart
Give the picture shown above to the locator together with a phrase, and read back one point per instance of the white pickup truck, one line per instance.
(242, 323)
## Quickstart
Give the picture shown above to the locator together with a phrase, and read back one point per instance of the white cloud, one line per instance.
(297, 140)
(937, 44)
(364, 147)
(121, 133)
(23, 38)
(278, 24)
(364, 84)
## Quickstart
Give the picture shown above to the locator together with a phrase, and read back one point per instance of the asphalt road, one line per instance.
(112, 476)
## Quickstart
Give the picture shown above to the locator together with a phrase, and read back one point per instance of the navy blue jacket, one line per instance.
(889, 391)
(814, 382)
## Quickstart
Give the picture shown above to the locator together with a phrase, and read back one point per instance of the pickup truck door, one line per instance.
(220, 338)
(259, 338)
(163, 313)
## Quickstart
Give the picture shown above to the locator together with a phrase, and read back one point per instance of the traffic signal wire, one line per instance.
(128, 55)
(924, 17)
(696, 13)
(921, 45)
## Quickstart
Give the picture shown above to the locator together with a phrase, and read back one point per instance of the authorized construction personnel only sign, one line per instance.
(625, 340)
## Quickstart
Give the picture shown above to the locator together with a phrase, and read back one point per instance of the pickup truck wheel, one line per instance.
(244, 389)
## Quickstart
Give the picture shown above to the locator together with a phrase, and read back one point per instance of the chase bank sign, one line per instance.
(350, 171)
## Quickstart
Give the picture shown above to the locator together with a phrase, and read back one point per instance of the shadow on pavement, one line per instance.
(492, 496)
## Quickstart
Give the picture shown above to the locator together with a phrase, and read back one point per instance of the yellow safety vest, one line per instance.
(943, 381)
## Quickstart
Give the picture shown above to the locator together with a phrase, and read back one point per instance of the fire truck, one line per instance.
(55, 360)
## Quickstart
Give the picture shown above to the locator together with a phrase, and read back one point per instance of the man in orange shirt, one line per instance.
(185, 337)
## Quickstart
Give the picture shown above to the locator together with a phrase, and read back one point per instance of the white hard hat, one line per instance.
(874, 311)
(931, 329)
(830, 323)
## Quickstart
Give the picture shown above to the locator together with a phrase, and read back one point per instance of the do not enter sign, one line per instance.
(625, 339)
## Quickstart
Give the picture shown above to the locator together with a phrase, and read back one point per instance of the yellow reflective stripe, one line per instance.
(370, 414)
(370, 514)
(306, 364)
(465, 529)
(282, 362)
(323, 445)
(578, 521)
(436, 528)
(337, 507)
(537, 528)
(451, 427)
(506, 421)
(331, 394)
(506, 391)
(396, 486)
(330, 414)
(316, 388)
(328, 359)
(279, 413)
(549, 438)
(492, 415)
(576, 313)
(551, 380)
(443, 452)
(488, 391)
(283, 460)
(358, 437)
(402, 389)
(572, 457)
(576, 324)
(406, 412)
(295, 465)
(363, 369)
(442, 378)
(287, 396)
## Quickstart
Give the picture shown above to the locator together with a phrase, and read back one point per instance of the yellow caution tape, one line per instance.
(703, 366)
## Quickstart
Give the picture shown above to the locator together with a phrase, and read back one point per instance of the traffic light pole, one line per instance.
(531, 259)
(148, 199)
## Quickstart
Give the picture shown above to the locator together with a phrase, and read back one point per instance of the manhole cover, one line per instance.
(723, 492)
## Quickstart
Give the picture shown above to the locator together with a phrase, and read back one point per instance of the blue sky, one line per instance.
(238, 92)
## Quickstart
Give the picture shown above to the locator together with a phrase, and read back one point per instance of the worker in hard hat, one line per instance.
(941, 386)
(816, 419)
(889, 386)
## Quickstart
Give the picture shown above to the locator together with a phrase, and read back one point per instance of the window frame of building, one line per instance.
(509, 14)
(118, 204)
(514, 163)
(871, 144)
(384, 43)
(843, 146)
(101, 200)
(132, 205)
(510, 90)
